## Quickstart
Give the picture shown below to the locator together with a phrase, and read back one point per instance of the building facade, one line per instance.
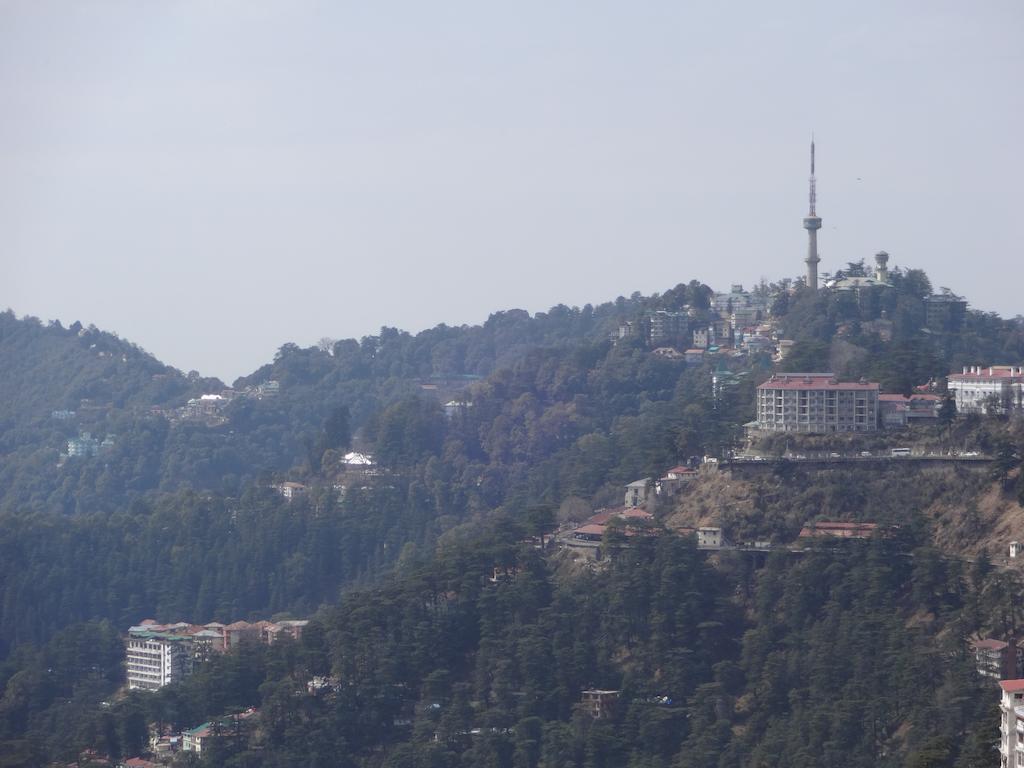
(816, 403)
(987, 389)
(665, 326)
(1011, 724)
(995, 659)
(897, 411)
(155, 659)
(944, 312)
(637, 492)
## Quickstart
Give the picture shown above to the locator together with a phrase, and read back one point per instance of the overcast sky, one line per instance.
(214, 178)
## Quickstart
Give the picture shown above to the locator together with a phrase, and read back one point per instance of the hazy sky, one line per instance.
(213, 178)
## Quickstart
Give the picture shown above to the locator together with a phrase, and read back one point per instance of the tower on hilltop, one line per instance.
(882, 267)
(812, 223)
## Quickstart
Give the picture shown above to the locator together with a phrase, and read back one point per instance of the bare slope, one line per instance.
(964, 511)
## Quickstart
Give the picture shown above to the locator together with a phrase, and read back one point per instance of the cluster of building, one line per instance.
(640, 492)
(87, 445)
(736, 324)
(735, 317)
(631, 520)
(160, 654)
(200, 739)
(943, 312)
(739, 326)
(352, 463)
(208, 408)
(820, 403)
(165, 743)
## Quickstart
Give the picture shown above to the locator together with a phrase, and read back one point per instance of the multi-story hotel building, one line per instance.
(1011, 724)
(156, 659)
(816, 402)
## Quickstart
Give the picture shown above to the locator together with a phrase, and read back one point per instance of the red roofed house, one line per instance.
(694, 356)
(601, 517)
(816, 403)
(827, 530)
(996, 659)
(897, 411)
(674, 480)
(634, 513)
(594, 527)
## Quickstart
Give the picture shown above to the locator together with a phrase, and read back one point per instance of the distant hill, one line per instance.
(44, 368)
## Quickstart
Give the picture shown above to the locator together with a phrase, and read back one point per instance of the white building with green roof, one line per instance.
(155, 659)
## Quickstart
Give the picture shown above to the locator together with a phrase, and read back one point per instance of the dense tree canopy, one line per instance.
(483, 437)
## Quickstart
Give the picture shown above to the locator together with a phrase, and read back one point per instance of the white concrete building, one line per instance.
(710, 538)
(291, 490)
(816, 403)
(1011, 724)
(156, 659)
(991, 389)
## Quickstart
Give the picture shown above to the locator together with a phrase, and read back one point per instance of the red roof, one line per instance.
(838, 530)
(681, 470)
(592, 529)
(990, 644)
(1012, 686)
(636, 512)
(798, 381)
(606, 515)
(600, 518)
(990, 372)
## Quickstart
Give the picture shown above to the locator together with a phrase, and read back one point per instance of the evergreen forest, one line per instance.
(451, 629)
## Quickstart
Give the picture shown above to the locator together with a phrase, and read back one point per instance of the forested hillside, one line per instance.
(852, 658)
(175, 511)
(99, 384)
